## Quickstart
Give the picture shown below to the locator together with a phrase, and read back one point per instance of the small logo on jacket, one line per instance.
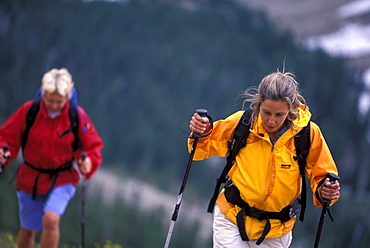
(285, 166)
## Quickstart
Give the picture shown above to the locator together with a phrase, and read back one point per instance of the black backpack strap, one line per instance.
(30, 119)
(53, 175)
(73, 118)
(302, 146)
(239, 140)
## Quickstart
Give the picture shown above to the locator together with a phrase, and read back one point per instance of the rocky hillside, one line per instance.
(339, 27)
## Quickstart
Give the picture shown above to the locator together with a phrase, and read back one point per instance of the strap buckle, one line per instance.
(257, 213)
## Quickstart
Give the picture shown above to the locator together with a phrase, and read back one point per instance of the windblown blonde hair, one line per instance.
(277, 86)
(57, 81)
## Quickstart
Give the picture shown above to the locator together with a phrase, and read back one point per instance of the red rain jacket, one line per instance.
(45, 149)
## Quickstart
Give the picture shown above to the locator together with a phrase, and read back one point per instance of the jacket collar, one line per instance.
(44, 111)
(304, 117)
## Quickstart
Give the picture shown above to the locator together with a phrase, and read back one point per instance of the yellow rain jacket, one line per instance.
(266, 174)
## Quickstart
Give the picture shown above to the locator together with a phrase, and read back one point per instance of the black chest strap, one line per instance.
(53, 175)
(232, 195)
(302, 144)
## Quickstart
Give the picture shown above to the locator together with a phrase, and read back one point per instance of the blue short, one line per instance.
(31, 211)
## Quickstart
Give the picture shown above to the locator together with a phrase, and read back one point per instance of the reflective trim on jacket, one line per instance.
(267, 175)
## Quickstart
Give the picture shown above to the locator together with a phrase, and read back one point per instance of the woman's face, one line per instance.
(54, 102)
(273, 114)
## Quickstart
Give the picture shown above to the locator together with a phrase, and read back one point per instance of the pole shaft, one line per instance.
(83, 214)
(321, 224)
(169, 234)
(83, 205)
(201, 112)
(184, 181)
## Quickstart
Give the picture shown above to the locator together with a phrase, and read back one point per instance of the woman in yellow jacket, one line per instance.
(265, 172)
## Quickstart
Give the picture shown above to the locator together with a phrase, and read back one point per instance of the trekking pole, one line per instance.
(202, 113)
(325, 208)
(83, 157)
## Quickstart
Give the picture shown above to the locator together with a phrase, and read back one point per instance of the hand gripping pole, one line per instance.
(325, 208)
(202, 113)
(5, 149)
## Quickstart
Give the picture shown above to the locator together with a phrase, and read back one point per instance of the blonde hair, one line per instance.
(57, 81)
(277, 86)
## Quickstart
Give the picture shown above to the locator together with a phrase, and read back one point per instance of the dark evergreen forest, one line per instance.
(141, 68)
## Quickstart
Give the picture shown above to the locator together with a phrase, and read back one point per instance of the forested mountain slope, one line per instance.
(141, 69)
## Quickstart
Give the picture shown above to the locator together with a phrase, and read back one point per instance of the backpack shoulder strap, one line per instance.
(302, 146)
(30, 119)
(73, 118)
(238, 141)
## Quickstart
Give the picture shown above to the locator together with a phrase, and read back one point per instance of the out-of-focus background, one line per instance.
(142, 67)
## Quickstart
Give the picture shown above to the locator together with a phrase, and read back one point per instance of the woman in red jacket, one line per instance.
(47, 177)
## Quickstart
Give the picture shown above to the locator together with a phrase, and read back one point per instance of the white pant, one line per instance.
(226, 235)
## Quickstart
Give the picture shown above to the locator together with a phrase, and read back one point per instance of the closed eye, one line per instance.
(266, 112)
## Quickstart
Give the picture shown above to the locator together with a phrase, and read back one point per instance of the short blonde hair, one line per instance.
(57, 81)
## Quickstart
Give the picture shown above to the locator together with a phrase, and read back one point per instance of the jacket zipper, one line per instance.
(268, 181)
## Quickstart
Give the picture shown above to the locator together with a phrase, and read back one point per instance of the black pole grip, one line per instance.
(202, 113)
(5, 149)
(83, 156)
(332, 179)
